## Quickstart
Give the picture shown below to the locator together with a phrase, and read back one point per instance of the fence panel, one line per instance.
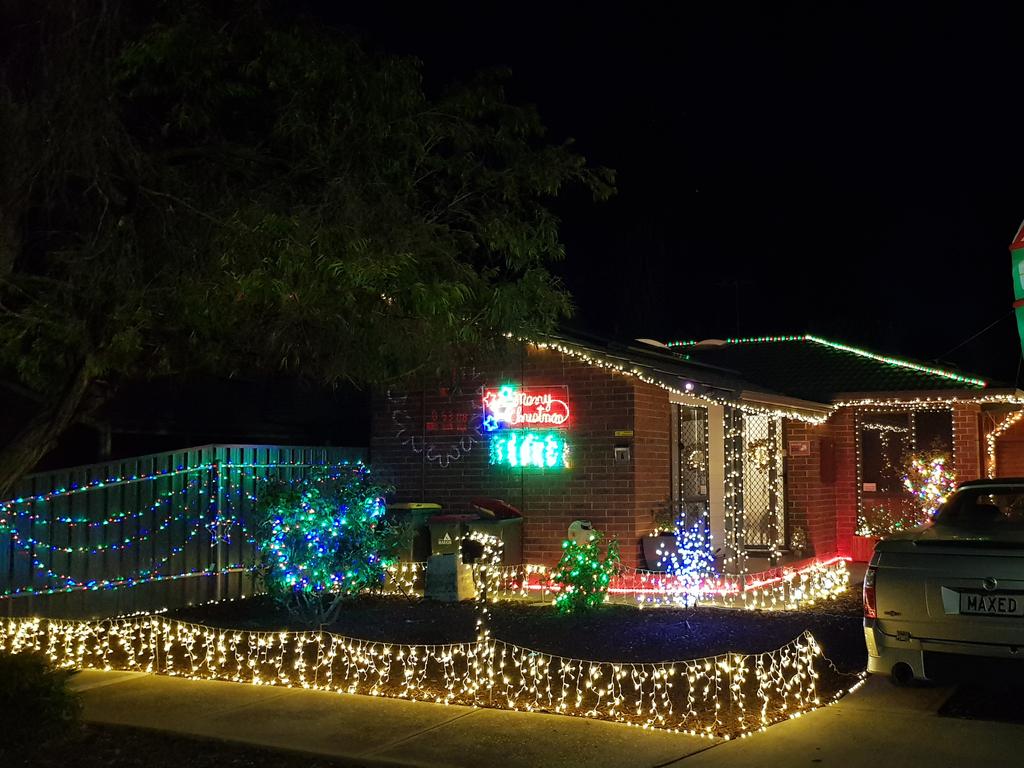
(151, 532)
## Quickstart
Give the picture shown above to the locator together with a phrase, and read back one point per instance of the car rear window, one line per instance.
(984, 507)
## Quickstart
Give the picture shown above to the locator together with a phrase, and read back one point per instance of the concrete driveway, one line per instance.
(878, 725)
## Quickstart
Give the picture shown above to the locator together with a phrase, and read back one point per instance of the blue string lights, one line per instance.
(204, 510)
(690, 561)
(329, 537)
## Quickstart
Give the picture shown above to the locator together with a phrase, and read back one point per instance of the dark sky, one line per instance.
(848, 170)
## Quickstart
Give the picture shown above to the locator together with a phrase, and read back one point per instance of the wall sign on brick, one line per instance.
(523, 448)
(799, 447)
(511, 407)
(525, 424)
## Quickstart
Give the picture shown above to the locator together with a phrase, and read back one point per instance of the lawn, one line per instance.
(106, 746)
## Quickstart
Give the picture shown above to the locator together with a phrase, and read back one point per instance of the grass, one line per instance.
(107, 746)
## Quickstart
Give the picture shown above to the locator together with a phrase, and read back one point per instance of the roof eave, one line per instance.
(808, 407)
(914, 395)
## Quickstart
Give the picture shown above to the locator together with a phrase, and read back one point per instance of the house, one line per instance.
(778, 444)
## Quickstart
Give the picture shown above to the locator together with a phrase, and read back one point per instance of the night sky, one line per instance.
(848, 171)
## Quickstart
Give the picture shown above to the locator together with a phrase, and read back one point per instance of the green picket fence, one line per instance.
(143, 534)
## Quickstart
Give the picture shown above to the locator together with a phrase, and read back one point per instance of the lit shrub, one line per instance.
(583, 575)
(324, 539)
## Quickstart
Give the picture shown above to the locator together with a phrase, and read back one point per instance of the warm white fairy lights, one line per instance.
(687, 389)
(778, 589)
(864, 413)
(732, 694)
(990, 439)
(486, 569)
(945, 401)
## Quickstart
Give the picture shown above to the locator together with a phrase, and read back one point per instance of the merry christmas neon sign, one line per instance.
(526, 426)
(510, 407)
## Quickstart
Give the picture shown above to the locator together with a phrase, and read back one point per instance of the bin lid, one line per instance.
(424, 506)
(453, 518)
(494, 508)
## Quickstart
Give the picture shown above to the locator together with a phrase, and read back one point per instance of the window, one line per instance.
(889, 438)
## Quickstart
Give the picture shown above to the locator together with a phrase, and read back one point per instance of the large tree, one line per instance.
(244, 191)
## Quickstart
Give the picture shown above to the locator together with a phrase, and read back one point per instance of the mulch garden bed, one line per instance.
(620, 633)
(104, 746)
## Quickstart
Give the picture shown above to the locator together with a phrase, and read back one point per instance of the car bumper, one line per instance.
(885, 651)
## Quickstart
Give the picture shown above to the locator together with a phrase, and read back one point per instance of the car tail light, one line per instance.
(870, 607)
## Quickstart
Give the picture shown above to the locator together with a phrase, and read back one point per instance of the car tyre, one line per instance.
(902, 675)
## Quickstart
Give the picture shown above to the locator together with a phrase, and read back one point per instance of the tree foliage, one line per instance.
(35, 701)
(241, 191)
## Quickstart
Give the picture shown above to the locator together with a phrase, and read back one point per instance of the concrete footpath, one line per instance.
(877, 724)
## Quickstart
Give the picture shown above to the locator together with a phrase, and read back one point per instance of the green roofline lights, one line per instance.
(894, 361)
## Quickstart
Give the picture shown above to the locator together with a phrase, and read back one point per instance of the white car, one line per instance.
(946, 601)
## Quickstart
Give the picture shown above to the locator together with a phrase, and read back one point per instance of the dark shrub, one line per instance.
(35, 702)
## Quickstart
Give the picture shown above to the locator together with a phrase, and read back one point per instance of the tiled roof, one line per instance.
(814, 368)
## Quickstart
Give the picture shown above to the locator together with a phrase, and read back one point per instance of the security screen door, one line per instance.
(690, 480)
(762, 482)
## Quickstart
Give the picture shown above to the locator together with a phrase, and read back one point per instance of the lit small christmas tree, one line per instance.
(582, 574)
(691, 561)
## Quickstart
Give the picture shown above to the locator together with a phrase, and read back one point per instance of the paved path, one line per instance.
(366, 730)
(878, 725)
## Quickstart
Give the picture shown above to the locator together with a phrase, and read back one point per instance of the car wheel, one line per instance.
(902, 675)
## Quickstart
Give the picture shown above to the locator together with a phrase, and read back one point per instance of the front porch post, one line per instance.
(735, 525)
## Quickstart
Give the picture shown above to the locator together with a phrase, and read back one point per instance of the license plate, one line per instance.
(980, 604)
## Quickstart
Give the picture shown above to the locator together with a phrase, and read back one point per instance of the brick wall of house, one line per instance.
(826, 507)
(651, 455)
(844, 432)
(810, 498)
(967, 447)
(450, 464)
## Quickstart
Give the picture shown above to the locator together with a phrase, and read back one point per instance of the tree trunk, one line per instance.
(41, 433)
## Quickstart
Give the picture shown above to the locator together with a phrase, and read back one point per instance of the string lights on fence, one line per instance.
(217, 488)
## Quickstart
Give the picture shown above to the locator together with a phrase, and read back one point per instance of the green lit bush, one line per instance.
(324, 539)
(35, 701)
(583, 575)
